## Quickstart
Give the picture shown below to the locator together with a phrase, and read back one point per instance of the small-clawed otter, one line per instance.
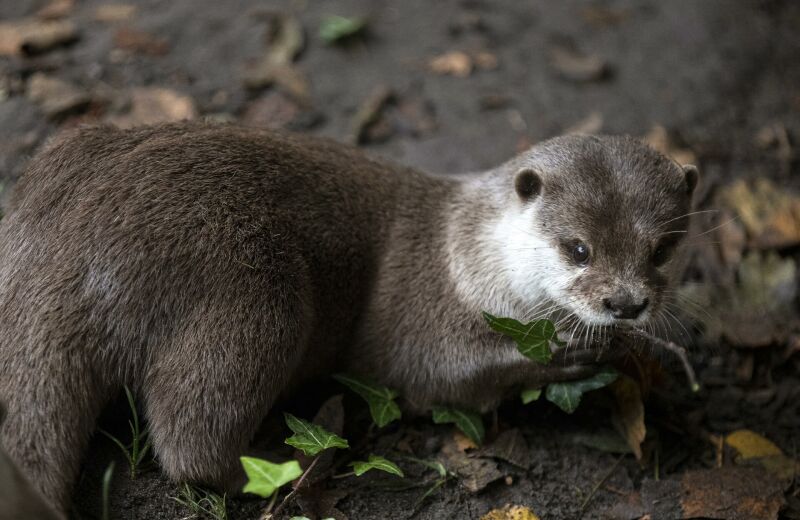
(211, 268)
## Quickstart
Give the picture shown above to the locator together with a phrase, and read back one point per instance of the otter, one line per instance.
(214, 268)
(18, 499)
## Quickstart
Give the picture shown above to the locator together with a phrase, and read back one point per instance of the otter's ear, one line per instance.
(690, 176)
(528, 184)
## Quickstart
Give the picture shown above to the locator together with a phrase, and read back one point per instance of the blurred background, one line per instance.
(467, 83)
(461, 85)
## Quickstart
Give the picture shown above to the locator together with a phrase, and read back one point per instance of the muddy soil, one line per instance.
(713, 73)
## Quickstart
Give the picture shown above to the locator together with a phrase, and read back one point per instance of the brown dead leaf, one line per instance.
(602, 16)
(732, 239)
(151, 105)
(56, 9)
(474, 473)
(659, 138)
(576, 66)
(761, 311)
(285, 37)
(775, 136)
(454, 63)
(510, 512)
(463, 443)
(509, 446)
(485, 60)
(415, 117)
(494, 101)
(369, 114)
(273, 110)
(629, 413)
(141, 42)
(730, 493)
(285, 40)
(113, 13)
(55, 97)
(771, 215)
(627, 508)
(31, 36)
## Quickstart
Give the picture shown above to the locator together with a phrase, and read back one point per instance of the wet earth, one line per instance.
(457, 86)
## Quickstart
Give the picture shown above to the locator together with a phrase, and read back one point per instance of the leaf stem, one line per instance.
(678, 350)
(296, 487)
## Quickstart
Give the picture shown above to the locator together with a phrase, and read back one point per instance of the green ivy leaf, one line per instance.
(376, 462)
(264, 477)
(567, 395)
(380, 399)
(533, 338)
(530, 395)
(470, 423)
(336, 28)
(311, 438)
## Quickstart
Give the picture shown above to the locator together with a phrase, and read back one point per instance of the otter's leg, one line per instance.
(53, 400)
(208, 393)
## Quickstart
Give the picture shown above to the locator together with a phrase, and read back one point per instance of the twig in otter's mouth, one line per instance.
(675, 349)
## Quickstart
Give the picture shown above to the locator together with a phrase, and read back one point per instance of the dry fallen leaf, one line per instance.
(285, 40)
(510, 513)
(134, 40)
(602, 16)
(112, 13)
(509, 446)
(485, 60)
(55, 97)
(660, 139)
(753, 448)
(576, 66)
(730, 493)
(150, 105)
(369, 114)
(629, 413)
(31, 36)
(56, 9)
(748, 444)
(753, 311)
(474, 473)
(454, 63)
(463, 443)
(272, 110)
(771, 215)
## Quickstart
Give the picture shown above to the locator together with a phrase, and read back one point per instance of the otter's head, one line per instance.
(596, 224)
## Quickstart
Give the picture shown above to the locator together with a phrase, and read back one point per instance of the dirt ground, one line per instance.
(715, 82)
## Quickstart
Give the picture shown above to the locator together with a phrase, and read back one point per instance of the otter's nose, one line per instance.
(624, 307)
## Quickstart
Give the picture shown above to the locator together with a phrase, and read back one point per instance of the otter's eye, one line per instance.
(580, 253)
(662, 252)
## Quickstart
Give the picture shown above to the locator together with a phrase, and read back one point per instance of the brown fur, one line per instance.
(213, 269)
(18, 499)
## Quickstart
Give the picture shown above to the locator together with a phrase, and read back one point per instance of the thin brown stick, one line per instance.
(678, 350)
(297, 486)
(596, 487)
